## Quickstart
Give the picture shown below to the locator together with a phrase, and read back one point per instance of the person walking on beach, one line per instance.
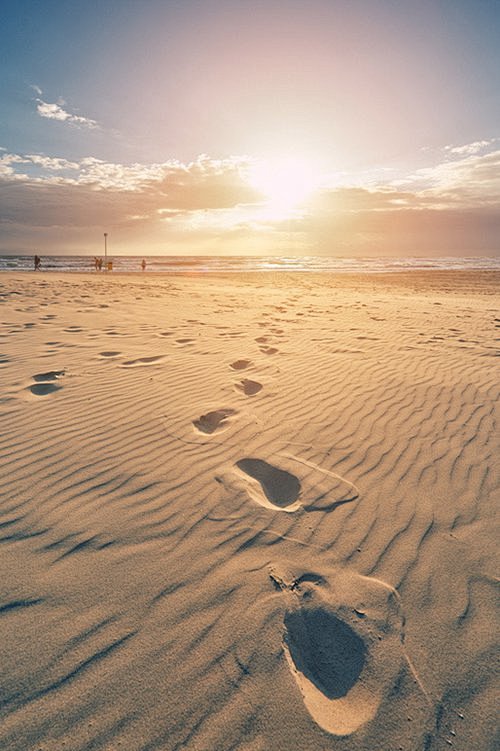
(38, 262)
(143, 264)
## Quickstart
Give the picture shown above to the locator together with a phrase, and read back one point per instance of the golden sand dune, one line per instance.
(249, 513)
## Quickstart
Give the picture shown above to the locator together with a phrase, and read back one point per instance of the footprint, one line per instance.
(284, 482)
(269, 350)
(281, 489)
(210, 422)
(142, 361)
(326, 657)
(325, 649)
(52, 375)
(109, 353)
(184, 341)
(42, 389)
(249, 387)
(344, 644)
(240, 364)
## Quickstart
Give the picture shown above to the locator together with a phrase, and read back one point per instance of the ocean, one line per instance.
(207, 264)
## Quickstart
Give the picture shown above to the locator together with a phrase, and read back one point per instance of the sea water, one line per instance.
(207, 264)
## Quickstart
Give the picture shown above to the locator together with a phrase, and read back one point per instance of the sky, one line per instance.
(327, 127)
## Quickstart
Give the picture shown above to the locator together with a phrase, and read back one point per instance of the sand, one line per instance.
(248, 512)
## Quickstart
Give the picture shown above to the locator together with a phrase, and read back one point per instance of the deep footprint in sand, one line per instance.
(213, 421)
(240, 364)
(52, 375)
(344, 644)
(325, 649)
(42, 389)
(288, 483)
(249, 387)
(281, 489)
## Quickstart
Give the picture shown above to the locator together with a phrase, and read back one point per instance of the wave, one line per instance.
(225, 264)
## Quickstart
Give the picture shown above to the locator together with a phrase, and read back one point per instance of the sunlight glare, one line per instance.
(285, 182)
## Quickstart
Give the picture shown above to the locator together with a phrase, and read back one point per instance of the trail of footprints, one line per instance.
(218, 419)
(327, 640)
(327, 643)
(344, 675)
(328, 653)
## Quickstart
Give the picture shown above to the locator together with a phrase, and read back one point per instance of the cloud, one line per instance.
(6, 166)
(353, 200)
(470, 148)
(93, 192)
(36, 89)
(405, 232)
(471, 181)
(53, 111)
(208, 205)
(51, 163)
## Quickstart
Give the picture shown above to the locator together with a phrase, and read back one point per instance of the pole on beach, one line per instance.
(105, 251)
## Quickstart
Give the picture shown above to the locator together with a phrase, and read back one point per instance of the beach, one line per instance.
(249, 511)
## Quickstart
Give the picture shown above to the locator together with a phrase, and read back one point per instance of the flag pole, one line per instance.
(105, 251)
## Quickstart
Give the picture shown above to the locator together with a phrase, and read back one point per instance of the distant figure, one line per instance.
(96, 263)
(38, 262)
(143, 264)
(99, 264)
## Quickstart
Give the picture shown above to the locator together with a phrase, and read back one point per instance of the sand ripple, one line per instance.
(265, 521)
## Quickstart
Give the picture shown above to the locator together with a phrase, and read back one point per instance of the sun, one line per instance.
(285, 182)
